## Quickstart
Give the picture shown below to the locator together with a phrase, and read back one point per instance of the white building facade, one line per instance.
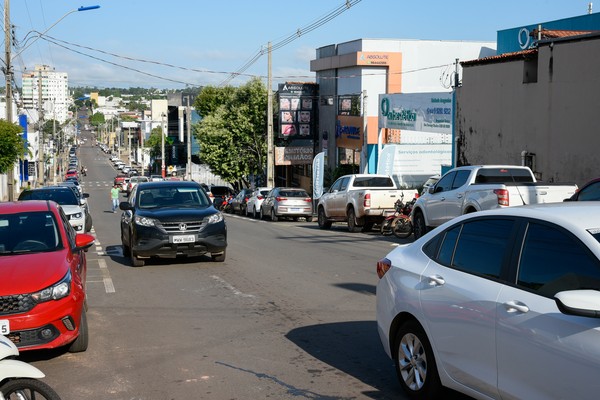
(49, 86)
(352, 75)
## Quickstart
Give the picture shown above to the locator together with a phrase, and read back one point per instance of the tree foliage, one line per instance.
(232, 132)
(12, 146)
(97, 119)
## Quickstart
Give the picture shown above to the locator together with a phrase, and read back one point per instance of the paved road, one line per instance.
(289, 315)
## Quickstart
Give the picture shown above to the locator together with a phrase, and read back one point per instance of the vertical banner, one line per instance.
(24, 167)
(385, 165)
(318, 172)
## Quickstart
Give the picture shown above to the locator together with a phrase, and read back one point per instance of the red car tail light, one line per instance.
(259, 197)
(367, 200)
(308, 199)
(383, 266)
(502, 197)
(280, 198)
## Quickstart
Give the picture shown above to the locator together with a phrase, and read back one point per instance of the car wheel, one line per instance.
(274, 217)
(420, 228)
(322, 219)
(219, 257)
(81, 343)
(261, 215)
(126, 248)
(88, 223)
(254, 215)
(135, 262)
(352, 225)
(415, 364)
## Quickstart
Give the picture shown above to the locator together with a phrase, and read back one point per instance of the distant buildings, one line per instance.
(46, 90)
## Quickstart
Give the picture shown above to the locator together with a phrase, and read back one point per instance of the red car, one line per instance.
(42, 277)
(72, 173)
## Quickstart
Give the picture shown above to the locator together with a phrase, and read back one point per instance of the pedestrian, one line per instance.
(114, 197)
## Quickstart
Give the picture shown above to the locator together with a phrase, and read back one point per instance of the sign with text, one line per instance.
(424, 112)
(297, 110)
(293, 155)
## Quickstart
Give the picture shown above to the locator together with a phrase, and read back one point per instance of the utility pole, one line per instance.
(41, 161)
(162, 147)
(9, 97)
(188, 117)
(270, 149)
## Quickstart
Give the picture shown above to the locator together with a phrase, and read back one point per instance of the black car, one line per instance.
(239, 202)
(168, 219)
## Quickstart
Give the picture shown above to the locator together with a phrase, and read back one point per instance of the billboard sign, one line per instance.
(425, 112)
(297, 110)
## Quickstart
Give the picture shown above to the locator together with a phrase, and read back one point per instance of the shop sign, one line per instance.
(293, 155)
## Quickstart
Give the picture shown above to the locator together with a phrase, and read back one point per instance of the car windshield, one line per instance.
(172, 197)
(28, 233)
(293, 193)
(64, 197)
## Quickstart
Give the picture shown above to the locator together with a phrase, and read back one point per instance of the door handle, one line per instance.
(436, 280)
(515, 306)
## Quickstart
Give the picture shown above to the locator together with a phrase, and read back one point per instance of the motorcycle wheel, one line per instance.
(402, 228)
(28, 389)
(386, 227)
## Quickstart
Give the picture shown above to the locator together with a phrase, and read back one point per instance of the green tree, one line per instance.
(12, 145)
(97, 119)
(232, 133)
(154, 142)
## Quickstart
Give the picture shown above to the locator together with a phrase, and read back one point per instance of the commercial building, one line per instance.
(535, 106)
(47, 90)
(352, 75)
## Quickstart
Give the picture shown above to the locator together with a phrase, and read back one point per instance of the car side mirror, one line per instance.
(124, 205)
(431, 189)
(85, 195)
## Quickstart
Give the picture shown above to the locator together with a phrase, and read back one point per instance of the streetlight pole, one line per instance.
(188, 115)
(162, 147)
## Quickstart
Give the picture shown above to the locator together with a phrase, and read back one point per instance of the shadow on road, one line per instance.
(354, 348)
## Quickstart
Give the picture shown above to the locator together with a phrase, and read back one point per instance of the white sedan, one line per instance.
(254, 202)
(501, 304)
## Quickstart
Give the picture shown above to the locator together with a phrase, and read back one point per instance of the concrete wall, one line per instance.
(556, 117)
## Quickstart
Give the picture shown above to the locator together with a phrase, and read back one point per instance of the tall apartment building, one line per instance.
(54, 88)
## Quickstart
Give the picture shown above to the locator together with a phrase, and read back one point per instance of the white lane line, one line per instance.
(227, 285)
(109, 287)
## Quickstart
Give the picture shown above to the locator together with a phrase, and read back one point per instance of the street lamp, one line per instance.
(162, 147)
(8, 72)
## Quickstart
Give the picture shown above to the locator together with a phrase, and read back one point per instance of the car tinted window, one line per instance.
(590, 193)
(344, 183)
(461, 178)
(378, 181)
(28, 232)
(503, 175)
(220, 190)
(445, 183)
(293, 193)
(553, 260)
(477, 247)
(63, 197)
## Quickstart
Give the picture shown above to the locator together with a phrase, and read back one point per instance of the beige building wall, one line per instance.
(503, 109)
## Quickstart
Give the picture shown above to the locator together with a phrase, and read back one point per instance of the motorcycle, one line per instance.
(19, 380)
(399, 223)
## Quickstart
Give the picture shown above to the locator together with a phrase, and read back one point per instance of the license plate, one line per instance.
(184, 239)
(4, 326)
(295, 209)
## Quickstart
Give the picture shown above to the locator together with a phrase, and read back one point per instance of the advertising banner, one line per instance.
(297, 110)
(425, 112)
(412, 164)
(318, 172)
(293, 155)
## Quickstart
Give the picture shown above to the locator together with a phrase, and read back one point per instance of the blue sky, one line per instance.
(208, 40)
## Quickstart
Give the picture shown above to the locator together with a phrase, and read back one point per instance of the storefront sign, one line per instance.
(293, 155)
(425, 112)
(349, 132)
(297, 108)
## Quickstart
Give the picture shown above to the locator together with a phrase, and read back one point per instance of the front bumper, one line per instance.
(48, 325)
(154, 242)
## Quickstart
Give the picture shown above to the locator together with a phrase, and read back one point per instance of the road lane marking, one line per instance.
(109, 287)
(229, 286)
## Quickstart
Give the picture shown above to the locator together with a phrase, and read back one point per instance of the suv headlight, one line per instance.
(145, 221)
(215, 218)
(76, 216)
(55, 292)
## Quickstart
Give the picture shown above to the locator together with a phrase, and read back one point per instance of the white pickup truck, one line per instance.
(361, 200)
(482, 187)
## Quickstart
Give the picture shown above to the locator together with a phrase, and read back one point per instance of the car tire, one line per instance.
(274, 217)
(218, 257)
(88, 223)
(415, 364)
(261, 215)
(419, 228)
(81, 343)
(322, 219)
(254, 215)
(352, 225)
(135, 261)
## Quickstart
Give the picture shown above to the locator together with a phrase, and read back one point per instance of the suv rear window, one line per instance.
(293, 193)
(503, 175)
(368, 181)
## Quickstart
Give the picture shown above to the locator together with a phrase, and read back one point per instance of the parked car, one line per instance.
(65, 197)
(134, 180)
(218, 193)
(286, 202)
(238, 203)
(497, 304)
(588, 192)
(170, 219)
(82, 197)
(43, 275)
(156, 178)
(254, 202)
